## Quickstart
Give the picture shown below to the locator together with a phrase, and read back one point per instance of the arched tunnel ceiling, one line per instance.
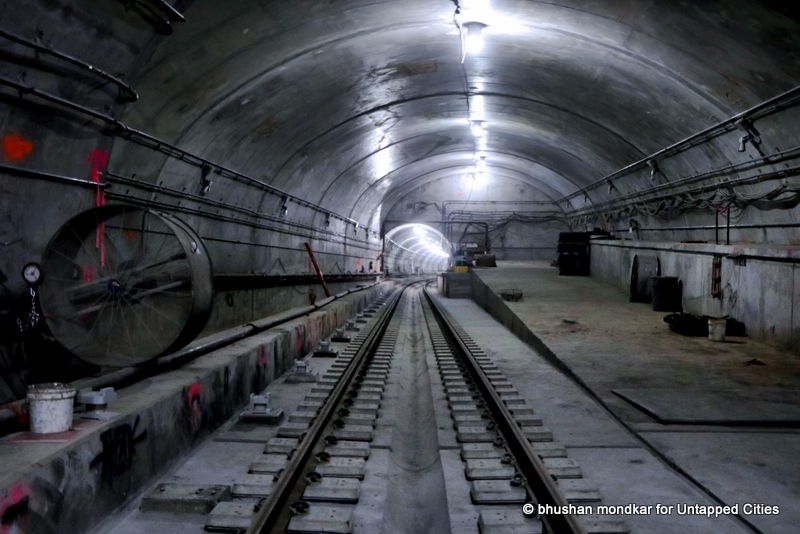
(350, 103)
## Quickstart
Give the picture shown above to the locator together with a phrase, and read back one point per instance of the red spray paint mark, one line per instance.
(262, 356)
(13, 506)
(16, 147)
(20, 411)
(194, 394)
(88, 274)
(129, 234)
(97, 160)
(298, 341)
(311, 334)
(195, 412)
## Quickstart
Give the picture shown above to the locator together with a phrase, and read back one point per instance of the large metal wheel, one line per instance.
(122, 285)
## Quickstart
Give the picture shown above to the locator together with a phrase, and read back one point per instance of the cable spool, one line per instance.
(122, 285)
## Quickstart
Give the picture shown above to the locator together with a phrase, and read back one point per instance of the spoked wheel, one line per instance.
(122, 285)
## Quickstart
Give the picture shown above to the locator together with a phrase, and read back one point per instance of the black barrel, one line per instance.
(666, 293)
(573, 254)
(642, 269)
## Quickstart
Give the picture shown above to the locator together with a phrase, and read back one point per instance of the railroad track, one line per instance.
(328, 459)
(360, 452)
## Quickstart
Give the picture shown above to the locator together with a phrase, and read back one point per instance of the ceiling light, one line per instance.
(435, 249)
(481, 165)
(477, 107)
(473, 42)
(468, 181)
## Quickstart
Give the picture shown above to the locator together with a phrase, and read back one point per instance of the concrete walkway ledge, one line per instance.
(64, 483)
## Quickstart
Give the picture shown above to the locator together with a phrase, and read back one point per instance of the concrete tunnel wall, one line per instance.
(758, 286)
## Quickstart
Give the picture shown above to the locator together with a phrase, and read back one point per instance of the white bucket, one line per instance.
(50, 407)
(716, 329)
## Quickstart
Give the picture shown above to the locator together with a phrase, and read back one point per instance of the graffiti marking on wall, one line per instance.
(16, 147)
(195, 410)
(119, 448)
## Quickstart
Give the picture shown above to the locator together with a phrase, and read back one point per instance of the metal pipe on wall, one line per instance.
(770, 159)
(148, 186)
(235, 220)
(786, 99)
(149, 141)
(51, 177)
(618, 204)
(713, 227)
(132, 95)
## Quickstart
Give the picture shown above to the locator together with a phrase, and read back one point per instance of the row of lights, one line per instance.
(480, 174)
(472, 42)
(427, 243)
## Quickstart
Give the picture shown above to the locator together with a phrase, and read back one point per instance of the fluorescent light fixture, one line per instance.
(481, 165)
(477, 128)
(468, 181)
(477, 107)
(475, 180)
(435, 249)
(474, 39)
(382, 163)
(481, 180)
(498, 22)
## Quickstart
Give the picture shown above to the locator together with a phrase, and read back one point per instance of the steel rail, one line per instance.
(531, 467)
(275, 507)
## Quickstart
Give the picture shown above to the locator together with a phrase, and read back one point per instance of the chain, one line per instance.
(33, 315)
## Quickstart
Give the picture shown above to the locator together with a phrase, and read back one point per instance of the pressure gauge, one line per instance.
(32, 273)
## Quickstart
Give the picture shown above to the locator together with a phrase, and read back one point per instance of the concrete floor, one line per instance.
(611, 344)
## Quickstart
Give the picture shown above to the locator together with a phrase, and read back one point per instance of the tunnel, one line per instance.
(517, 265)
(416, 248)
